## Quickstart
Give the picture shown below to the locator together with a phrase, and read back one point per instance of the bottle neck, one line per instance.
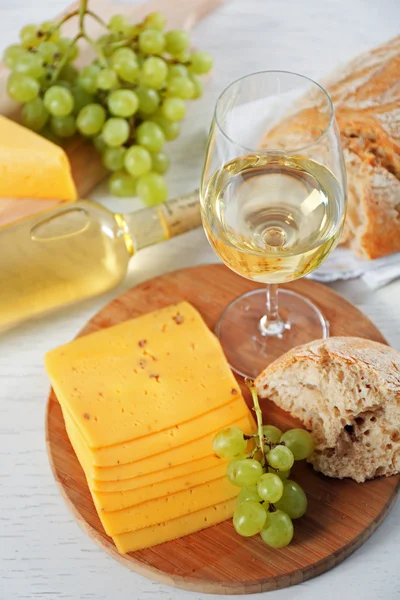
(150, 226)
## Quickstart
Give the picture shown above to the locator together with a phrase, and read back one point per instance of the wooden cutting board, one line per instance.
(86, 166)
(341, 514)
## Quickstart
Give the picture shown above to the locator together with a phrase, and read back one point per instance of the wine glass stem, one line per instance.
(271, 323)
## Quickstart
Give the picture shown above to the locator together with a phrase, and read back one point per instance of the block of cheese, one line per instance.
(151, 373)
(176, 528)
(169, 507)
(31, 166)
(170, 438)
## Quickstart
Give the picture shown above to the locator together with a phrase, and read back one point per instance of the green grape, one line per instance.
(278, 529)
(137, 161)
(47, 50)
(12, 53)
(107, 79)
(150, 135)
(105, 42)
(155, 20)
(64, 84)
(249, 518)
(121, 184)
(232, 465)
(66, 48)
(181, 87)
(272, 433)
(177, 71)
(123, 103)
(22, 88)
(183, 57)
(270, 487)
(293, 501)
(197, 85)
(229, 442)
(154, 72)
(173, 109)
(87, 78)
(280, 458)
(200, 63)
(50, 30)
(300, 442)
(151, 41)
(176, 42)
(120, 24)
(58, 101)
(113, 158)
(63, 126)
(248, 493)
(81, 98)
(69, 73)
(148, 100)
(159, 162)
(171, 129)
(124, 63)
(152, 189)
(100, 144)
(91, 119)
(245, 472)
(281, 474)
(115, 131)
(34, 115)
(29, 64)
(29, 36)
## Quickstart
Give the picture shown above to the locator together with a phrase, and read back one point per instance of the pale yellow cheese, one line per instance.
(176, 528)
(161, 441)
(31, 166)
(142, 376)
(169, 507)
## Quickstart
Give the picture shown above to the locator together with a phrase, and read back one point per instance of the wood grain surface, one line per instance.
(86, 166)
(341, 514)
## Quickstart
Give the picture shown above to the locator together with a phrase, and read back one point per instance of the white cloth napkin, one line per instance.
(343, 264)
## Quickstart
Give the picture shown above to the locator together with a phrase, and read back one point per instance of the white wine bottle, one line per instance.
(62, 256)
(273, 218)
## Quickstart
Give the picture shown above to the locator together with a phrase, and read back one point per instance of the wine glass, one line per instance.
(273, 200)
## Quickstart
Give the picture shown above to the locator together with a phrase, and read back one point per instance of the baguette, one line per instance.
(347, 392)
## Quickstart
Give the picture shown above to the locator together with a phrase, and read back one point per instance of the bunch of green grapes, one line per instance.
(268, 500)
(129, 100)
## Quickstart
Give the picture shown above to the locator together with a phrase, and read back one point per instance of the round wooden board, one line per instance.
(341, 514)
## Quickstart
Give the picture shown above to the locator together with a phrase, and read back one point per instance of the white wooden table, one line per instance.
(43, 553)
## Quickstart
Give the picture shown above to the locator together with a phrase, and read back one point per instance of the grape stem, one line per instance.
(257, 410)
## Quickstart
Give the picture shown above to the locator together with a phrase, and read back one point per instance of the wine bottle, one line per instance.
(81, 250)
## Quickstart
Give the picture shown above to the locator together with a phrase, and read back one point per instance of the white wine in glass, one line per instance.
(272, 213)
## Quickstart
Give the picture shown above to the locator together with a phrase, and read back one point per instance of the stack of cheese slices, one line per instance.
(142, 402)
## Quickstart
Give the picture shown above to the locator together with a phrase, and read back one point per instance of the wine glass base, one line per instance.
(247, 350)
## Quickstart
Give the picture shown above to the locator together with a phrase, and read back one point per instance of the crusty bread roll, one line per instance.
(347, 392)
(366, 97)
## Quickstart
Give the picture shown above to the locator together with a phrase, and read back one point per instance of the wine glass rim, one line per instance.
(276, 150)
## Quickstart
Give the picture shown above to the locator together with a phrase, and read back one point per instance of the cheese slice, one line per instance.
(31, 166)
(201, 464)
(150, 373)
(186, 454)
(173, 437)
(169, 507)
(176, 528)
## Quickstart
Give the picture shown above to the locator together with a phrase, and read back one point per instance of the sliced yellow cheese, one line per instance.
(169, 438)
(31, 166)
(201, 464)
(186, 454)
(176, 528)
(170, 507)
(142, 376)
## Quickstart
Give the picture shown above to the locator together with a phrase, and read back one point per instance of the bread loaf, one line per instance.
(347, 392)
(366, 97)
